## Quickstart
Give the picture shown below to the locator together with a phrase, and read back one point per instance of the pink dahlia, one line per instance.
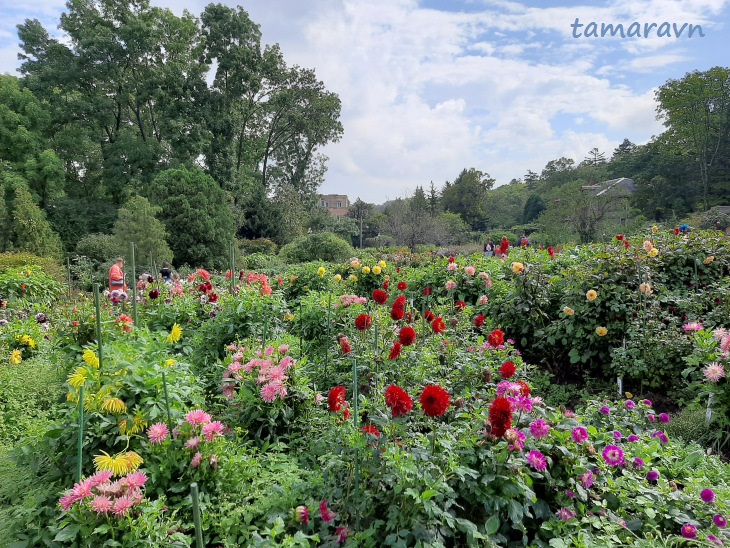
(692, 326)
(539, 429)
(537, 460)
(212, 430)
(136, 480)
(197, 416)
(102, 504)
(269, 392)
(327, 514)
(66, 502)
(122, 506)
(197, 459)
(470, 270)
(102, 476)
(192, 443)
(157, 433)
(714, 372)
(613, 455)
(579, 434)
(689, 531)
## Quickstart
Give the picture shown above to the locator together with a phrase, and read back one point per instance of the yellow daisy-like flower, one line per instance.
(26, 340)
(352, 278)
(338, 278)
(138, 424)
(78, 377)
(366, 270)
(114, 406)
(288, 317)
(16, 356)
(90, 358)
(175, 334)
(320, 271)
(653, 252)
(377, 270)
(120, 464)
(355, 264)
(629, 395)
(381, 264)
(171, 362)
(517, 268)
(709, 259)
(601, 331)
(591, 295)
(568, 311)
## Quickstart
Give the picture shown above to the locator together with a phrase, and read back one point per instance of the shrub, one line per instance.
(18, 260)
(258, 245)
(323, 246)
(29, 283)
(98, 247)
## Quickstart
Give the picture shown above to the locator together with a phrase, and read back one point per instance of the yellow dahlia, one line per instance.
(591, 295)
(90, 358)
(16, 356)
(601, 331)
(175, 334)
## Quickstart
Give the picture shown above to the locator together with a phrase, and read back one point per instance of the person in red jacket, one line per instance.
(116, 276)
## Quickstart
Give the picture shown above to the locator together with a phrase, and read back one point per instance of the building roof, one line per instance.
(623, 184)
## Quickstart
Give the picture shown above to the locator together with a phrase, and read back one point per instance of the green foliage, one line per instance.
(258, 245)
(46, 264)
(196, 215)
(323, 246)
(99, 248)
(27, 225)
(29, 283)
(137, 223)
(75, 218)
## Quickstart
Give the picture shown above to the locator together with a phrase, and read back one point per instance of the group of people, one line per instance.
(117, 281)
(491, 249)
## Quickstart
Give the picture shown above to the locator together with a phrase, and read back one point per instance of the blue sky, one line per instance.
(431, 87)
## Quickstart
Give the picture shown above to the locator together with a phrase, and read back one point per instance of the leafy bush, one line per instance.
(18, 260)
(258, 245)
(323, 246)
(100, 248)
(29, 283)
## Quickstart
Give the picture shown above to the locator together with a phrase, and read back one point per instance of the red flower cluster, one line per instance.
(438, 325)
(525, 388)
(479, 320)
(551, 252)
(205, 287)
(620, 237)
(402, 286)
(213, 298)
(399, 308)
(395, 351)
(429, 316)
(427, 291)
(407, 336)
(461, 305)
(345, 344)
(676, 231)
(507, 370)
(336, 398)
(370, 429)
(363, 322)
(626, 244)
(154, 294)
(500, 416)
(435, 400)
(451, 259)
(380, 296)
(398, 400)
(386, 284)
(496, 338)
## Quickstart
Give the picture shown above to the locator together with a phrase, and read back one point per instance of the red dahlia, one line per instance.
(496, 338)
(213, 298)
(427, 291)
(398, 400)
(154, 294)
(507, 370)
(402, 286)
(451, 259)
(386, 283)
(435, 400)
(620, 237)
(370, 429)
(551, 252)
(500, 416)
(429, 316)
(397, 314)
(479, 320)
(400, 302)
(407, 336)
(336, 398)
(395, 351)
(438, 325)
(345, 345)
(461, 305)
(626, 244)
(380, 296)
(525, 388)
(363, 322)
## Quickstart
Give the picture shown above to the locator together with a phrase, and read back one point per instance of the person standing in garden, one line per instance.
(116, 276)
(489, 248)
(523, 241)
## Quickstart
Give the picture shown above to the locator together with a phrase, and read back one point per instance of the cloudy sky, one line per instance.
(429, 87)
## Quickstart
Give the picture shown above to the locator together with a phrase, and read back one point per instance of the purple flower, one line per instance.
(613, 455)
(617, 435)
(579, 434)
(652, 418)
(605, 410)
(539, 429)
(664, 418)
(714, 540)
(633, 438)
(652, 476)
(639, 463)
(662, 437)
(587, 479)
(707, 495)
(629, 404)
(570, 493)
(720, 521)
(537, 460)
(689, 531)
(647, 402)
(565, 514)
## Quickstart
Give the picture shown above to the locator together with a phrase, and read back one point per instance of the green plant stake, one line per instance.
(134, 288)
(196, 515)
(266, 328)
(68, 274)
(80, 450)
(167, 401)
(327, 351)
(98, 323)
(233, 266)
(356, 419)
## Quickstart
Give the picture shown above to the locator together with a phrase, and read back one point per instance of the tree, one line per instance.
(595, 158)
(696, 111)
(533, 207)
(28, 228)
(434, 201)
(408, 225)
(531, 178)
(465, 196)
(137, 223)
(626, 147)
(360, 211)
(553, 167)
(197, 216)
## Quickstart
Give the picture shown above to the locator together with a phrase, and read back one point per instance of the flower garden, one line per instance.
(554, 398)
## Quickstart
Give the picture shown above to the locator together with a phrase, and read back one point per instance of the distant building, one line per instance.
(337, 204)
(617, 187)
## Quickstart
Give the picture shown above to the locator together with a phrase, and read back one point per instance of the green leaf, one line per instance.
(67, 533)
(492, 525)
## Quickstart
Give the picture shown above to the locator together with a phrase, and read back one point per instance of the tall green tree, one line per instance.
(360, 211)
(696, 111)
(26, 224)
(137, 223)
(466, 195)
(196, 214)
